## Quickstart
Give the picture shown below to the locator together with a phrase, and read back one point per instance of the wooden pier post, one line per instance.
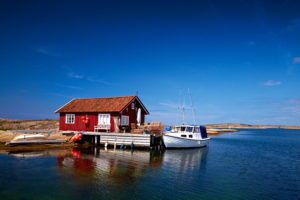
(98, 140)
(93, 140)
(97, 151)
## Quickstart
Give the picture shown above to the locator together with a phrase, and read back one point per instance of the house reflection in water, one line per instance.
(123, 167)
(118, 167)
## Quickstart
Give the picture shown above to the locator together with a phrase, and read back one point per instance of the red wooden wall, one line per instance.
(79, 125)
(132, 113)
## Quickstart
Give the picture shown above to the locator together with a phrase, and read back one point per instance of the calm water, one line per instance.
(252, 164)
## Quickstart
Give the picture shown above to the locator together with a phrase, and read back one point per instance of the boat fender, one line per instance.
(76, 137)
(168, 128)
(132, 146)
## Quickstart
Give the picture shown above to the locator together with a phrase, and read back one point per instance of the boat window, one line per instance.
(183, 135)
(190, 136)
(182, 129)
(189, 129)
(196, 130)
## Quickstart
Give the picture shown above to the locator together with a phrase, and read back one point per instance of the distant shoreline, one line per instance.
(248, 126)
(11, 124)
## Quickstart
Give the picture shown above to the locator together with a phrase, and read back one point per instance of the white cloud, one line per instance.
(69, 86)
(86, 78)
(272, 83)
(293, 25)
(294, 109)
(294, 101)
(251, 43)
(296, 60)
(74, 75)
(47, 51)
(98, 81)
(60, 95)
(176, 106)
(43, 51)
(170, 105)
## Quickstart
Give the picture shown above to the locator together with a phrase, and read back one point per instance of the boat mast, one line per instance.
(192, 106)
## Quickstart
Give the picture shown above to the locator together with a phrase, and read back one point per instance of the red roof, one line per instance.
(107, 104)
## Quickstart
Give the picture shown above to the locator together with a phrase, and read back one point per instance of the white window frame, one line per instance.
(124, 120)
(103, 119)
(70, 119)
(132, 106)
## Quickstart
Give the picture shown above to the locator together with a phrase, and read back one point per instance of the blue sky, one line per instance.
(240, 59)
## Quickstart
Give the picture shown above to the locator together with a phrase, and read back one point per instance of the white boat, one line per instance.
(185, 136)
(29, 136)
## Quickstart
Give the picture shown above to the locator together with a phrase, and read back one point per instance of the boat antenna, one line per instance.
(181, 106)
(192, 106)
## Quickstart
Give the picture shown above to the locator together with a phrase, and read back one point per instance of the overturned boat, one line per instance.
(29, 137)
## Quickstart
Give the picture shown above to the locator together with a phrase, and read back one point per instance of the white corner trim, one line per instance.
(63, 105)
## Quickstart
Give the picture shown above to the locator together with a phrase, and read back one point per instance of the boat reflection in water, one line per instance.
(118, 167)
(185, 160)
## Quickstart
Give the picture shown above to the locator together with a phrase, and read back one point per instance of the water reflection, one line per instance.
(116, 166)
(37, 153)
(26, 154)
(90, 165)
(186, 159)
(121, 167)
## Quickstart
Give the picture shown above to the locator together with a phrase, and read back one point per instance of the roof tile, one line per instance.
(107, 104)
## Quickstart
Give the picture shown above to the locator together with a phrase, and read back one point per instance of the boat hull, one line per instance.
(179, 142)
(29, 136)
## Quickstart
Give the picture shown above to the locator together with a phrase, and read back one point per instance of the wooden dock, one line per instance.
(127, 139)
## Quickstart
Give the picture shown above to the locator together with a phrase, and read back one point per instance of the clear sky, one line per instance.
(240, 59)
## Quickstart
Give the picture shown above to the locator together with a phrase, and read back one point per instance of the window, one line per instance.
(190, 136)
(70, 118)
(183, 135)
(104, 119)
(189, 129)
(132, 106)
(124, 120)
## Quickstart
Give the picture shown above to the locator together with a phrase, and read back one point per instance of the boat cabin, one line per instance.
(188, 131)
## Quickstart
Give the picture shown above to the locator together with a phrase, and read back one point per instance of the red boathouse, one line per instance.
(112, 114)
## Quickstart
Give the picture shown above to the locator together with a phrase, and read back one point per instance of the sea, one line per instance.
(250, 164)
